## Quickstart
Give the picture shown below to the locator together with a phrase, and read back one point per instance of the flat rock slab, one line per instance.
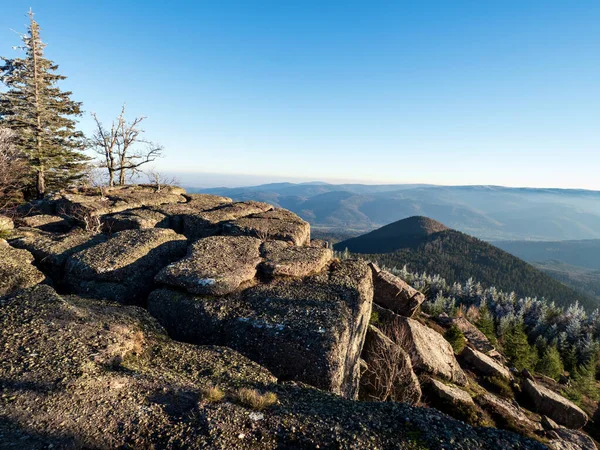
(393, 293)
(389, 375)
(278, 224)
(507, 412)
(485, 365)
(119, 198)
(16, 270)
(51, 250)
(6, 223)
(134, 219)
(46, 222)
(474, 335)
(553, 405)
(284, 259)
(450, 394)
(123, 268)
(195, 203)
(215, 265)
(565, 439)
(310, 330)
(208, 223)
(428, 350)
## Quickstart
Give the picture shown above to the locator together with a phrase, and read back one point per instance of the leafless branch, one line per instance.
(122, 147)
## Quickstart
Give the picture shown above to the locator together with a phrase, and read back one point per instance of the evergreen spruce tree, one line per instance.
(42, 116)
(517, 349)
(456, 338)
(550, 363)
(485, 323)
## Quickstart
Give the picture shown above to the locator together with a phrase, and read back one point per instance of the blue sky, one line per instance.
(444, 92)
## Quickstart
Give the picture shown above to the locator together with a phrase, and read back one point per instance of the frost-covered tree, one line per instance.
(41, 115)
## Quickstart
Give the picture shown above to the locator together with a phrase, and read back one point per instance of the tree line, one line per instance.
(532, 333)
(41, 148)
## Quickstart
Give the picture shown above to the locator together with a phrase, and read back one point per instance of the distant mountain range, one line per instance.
(425, 245)
(488, 212)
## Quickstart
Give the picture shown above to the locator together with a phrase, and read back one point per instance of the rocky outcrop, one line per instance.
(16, 270)
(134, 219)
(452, 396)
(284, 259)
(46, 222)
(473, 335)
(51, 250)
(177, 212)
(394, 294)
(389, 375)
(210, 222)
(311, 329)
(214, 265)
(484, 365)
(123, 268)
(553, 405)
(98, 202)
(507, 413)
(278, 224)
(6, 223)
(106, 376)
(428, 350)
(565, 439)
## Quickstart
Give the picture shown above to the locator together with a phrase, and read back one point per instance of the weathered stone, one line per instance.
(45, 222)
(318, 243)
(215, 265)
(555, 406)
(484, 365)
(394, 294)
(78, 373)
(389, 375)
(428, 350)
(284, 259)
(450, 394)
(473, 335)
(565, 439)
(133, 219)
(176, 212)
(507, 413)
(80, 203)
(278, 224)
(123, 268)
(16, 270)
(208, 223)
(310, 330)
(51, 250)
(549, 424)
(6, 223)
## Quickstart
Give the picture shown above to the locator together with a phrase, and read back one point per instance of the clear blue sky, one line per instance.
(445, 92)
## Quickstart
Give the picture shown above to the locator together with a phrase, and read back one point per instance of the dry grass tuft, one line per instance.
(255, 400)
(213, 394)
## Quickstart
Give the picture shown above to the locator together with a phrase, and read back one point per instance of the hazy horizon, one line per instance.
(206, 180)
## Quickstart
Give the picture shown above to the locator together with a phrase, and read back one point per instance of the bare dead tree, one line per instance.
(122, 147)
(13, 168)
(158, 179)
(389, 373)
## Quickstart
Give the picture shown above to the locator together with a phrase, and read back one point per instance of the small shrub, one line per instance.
(374, 320)
(456, 338)
(255, 400)
(213, 394)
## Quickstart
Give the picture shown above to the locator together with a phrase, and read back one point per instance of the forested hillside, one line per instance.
(457, 257)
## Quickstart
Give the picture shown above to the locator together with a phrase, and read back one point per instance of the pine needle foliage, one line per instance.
(42, 116)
